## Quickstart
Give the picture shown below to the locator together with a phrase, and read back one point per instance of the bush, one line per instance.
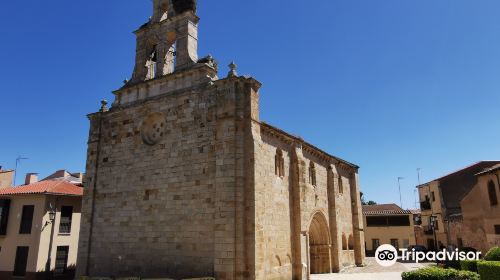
(489, 270)
(468, 265)
(435, 273)
(493, 254)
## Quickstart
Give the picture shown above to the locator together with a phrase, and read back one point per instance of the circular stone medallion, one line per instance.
(153, 128)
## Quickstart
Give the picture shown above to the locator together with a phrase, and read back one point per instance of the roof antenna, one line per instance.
(18, 160)
(400, 197)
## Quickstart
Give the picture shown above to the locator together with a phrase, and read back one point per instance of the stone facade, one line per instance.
(184, 180)
(452, 200)
(480, 227)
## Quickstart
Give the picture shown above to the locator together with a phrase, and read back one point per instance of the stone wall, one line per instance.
(170, 174)
(272, 204)
(182, 184)
(288, 205)
(480, 216)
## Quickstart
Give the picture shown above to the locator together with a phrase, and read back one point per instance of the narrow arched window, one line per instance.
(341, 185)
(279, 164)
(344, 242)
(170, 59)
(312, 174)
(492, 193)
(163, 11)
(351, 242)
(151, 64)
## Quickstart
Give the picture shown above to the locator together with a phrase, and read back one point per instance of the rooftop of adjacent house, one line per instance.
(416, 211)
(384, 209)
(64, 175)
(456, 185)
(488, 170)
(481, 166)
(48, 187)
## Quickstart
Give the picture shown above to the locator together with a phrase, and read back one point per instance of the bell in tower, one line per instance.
(168, 42)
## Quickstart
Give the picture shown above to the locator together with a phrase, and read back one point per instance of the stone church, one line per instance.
(184, 180)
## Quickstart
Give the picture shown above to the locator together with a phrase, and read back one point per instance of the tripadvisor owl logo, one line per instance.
(386, 255)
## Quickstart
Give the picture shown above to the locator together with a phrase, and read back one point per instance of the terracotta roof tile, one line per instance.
(384, 209)
(45, 187)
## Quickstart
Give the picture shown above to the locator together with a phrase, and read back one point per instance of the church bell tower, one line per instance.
(168, 42)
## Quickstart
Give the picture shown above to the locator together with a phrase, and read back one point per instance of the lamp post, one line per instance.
(52, 218)
(433, 226)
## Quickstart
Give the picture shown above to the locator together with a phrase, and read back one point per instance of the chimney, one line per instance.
(78, 175)
(31, 178)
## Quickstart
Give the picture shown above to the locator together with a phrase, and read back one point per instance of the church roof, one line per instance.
(306, 144)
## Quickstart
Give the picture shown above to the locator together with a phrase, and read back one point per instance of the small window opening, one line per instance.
(344, 242)
(163, 12)
(492, 193)
(170, 60)
(341, 185)
(351, 242)
(279, 164)
(151, 64)
(312, 174)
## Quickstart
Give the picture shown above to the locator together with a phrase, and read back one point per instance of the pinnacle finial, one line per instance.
(232, 71)
(104, 106)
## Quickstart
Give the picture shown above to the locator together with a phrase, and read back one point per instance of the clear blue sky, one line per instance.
(390, 85)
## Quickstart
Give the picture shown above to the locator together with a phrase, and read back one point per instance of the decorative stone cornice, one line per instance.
(200, 74)
(294, 141)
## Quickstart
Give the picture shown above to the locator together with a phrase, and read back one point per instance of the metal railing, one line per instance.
(65, 227)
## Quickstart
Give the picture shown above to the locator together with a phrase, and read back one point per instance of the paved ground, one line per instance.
(371, 272)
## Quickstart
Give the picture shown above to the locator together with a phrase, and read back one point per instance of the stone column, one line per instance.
(297, 166)
(225, 186)
(234, 183)
(336, 238)
(187, 41)
(357, 221)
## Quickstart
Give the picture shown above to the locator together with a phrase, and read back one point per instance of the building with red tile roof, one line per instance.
(388, 224)
(50, 187)
(35, 217)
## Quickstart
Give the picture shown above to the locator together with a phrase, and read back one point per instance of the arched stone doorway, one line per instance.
(319, 245)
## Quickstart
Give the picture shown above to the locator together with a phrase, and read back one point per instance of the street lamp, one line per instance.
(52, 215)
(433, 227)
